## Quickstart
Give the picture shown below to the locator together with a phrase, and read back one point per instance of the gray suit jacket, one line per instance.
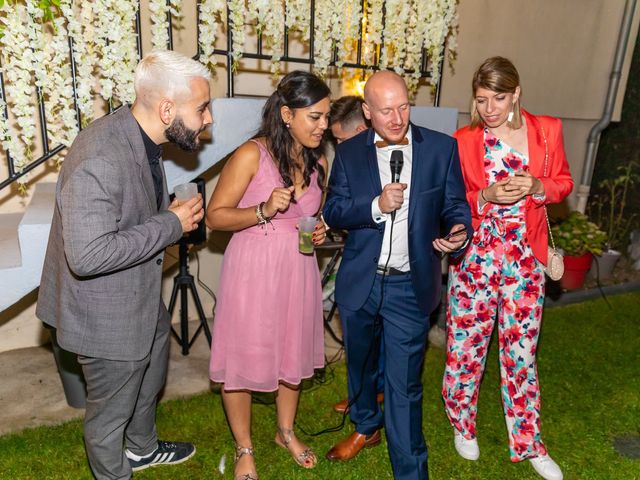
(101, 281)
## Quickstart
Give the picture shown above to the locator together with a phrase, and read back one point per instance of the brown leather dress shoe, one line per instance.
(341, 406)
(349, 447)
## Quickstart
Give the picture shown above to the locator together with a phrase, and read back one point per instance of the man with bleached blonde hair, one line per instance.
(102, 275)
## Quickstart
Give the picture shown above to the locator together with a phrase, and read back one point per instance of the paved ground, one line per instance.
(31, 392)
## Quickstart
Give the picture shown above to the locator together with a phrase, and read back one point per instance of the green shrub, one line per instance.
(576, 235)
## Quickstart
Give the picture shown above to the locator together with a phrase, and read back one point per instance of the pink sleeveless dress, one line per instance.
(268, 324)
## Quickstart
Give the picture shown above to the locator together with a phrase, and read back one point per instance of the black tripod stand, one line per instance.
(183, 281)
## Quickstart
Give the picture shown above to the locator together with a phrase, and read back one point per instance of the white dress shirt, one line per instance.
(399, 245)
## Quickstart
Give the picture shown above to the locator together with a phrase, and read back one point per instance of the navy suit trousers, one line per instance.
(390, 312)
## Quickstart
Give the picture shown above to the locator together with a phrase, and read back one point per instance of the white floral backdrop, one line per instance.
(39, 39)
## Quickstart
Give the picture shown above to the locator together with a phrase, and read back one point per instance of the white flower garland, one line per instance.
(415, 40)
(105, 49)
(127, 50)
(114, 23)
(37, 43)
(236, 18)
(158, 13)
(159, 22)
(17, 68)
(82, 31)
(62, 124)
(268, 15)
(373, 31)
(298, 13)
(103, 18)
(395, 35)
(410, 27)
(212, 14)
(4, 124)
(346, 29)
(323, 42)
(440, 25)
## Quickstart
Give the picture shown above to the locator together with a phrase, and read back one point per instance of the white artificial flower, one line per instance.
(212, 14)
(323, 42)
(298, 16)
(159, 11)
(440, 20)
(268, 15)
(57, 90)
(116, 44)
(158, 14)
(17, 59)
(346, 29)
(35, 57)
(236, 19)
(373, 32)
(80, 18)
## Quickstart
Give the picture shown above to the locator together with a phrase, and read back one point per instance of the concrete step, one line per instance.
(33, 234)
(9, 242)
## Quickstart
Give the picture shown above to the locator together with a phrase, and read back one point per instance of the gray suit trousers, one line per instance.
(121, 406)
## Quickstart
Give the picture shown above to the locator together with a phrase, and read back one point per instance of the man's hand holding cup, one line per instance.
(189, 212)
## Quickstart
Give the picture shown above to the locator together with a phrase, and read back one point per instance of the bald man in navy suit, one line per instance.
(389, 279)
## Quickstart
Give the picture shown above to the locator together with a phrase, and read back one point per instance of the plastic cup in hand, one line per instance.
(306, 226)
(185, 191)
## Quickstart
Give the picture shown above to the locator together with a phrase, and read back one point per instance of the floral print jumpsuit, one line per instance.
(498, 278)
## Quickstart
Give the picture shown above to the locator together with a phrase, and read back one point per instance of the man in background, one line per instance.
(102, 275)
(346, 119)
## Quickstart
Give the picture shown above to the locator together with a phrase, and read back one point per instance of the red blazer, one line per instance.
(557, 183)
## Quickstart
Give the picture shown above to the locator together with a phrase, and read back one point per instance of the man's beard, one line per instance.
(182, 136)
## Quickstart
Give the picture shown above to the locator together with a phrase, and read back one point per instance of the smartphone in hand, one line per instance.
(453, 234)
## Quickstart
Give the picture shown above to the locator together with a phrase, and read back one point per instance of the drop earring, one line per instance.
(510, 116)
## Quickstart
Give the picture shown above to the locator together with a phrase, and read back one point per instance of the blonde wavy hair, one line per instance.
(499, 75)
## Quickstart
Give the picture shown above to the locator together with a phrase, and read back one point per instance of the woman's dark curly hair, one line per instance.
(297, 89)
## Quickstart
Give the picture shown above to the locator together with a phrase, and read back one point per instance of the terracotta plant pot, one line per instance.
(575, 271)
(603, 265)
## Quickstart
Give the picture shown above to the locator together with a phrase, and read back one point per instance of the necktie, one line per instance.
(384, 143)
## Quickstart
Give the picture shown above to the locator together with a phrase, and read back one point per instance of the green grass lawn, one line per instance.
(589, 367)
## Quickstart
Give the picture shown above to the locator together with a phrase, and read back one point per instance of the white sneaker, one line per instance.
(546, 467)
(467, 449)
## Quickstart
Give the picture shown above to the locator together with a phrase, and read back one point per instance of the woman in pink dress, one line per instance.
(268, 328)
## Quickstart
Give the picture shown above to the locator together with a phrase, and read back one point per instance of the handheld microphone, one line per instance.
(397, 161)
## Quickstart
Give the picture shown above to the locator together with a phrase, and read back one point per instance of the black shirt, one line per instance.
(154, 154)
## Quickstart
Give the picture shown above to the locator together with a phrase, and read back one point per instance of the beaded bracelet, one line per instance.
(262, 218)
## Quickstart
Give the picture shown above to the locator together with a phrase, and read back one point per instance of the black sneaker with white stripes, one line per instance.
(167, 453)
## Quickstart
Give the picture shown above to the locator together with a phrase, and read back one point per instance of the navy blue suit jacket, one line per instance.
(437, 200)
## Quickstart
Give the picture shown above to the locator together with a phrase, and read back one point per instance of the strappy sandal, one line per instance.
(306, 459)
(240, 451)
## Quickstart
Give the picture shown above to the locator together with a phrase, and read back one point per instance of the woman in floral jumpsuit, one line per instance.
(513, 164)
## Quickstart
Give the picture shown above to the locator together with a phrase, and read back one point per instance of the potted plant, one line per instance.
(607, 209)
(579, 239)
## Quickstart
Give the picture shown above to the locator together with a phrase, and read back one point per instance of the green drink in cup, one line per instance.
(306, 226)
